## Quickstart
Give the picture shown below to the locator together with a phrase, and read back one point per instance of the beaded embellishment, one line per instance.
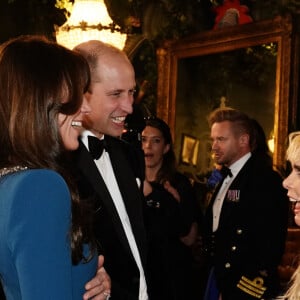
(6, 171)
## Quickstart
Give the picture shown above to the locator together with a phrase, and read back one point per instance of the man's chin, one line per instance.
(219, 162)
(115, 133)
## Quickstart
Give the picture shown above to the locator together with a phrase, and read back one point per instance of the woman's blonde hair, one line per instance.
(293, 292)
(293, 155)
(293, 150)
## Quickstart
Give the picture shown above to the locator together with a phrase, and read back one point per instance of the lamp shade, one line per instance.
(89, 20)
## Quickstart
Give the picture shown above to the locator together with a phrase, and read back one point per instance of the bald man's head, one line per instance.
(112, 87)
(97, 52)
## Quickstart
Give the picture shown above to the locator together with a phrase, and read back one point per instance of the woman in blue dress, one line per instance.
(46, 249)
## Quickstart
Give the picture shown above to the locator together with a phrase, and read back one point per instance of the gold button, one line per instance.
(239, 231)
(233, 248)
(227, 265)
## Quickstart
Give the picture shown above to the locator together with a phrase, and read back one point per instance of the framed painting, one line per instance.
(189, 150)
(250, 67)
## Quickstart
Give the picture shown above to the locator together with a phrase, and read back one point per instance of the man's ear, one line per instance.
(245, 139)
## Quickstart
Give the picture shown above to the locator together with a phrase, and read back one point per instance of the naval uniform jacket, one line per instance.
(248, 245)
(128, 165)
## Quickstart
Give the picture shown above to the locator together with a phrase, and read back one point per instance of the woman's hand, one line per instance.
(191, 237)
(172, 190)
(99, 287)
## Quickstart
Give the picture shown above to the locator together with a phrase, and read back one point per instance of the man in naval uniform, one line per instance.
(246, 220)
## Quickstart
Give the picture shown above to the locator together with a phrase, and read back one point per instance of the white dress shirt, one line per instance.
(105, 168)
(217, 206)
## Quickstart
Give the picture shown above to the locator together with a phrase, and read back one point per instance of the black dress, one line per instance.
(170, 261)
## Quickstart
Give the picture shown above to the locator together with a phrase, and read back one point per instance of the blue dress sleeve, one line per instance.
(39, 236)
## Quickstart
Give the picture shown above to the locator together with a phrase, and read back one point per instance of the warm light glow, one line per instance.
(89, 20)
(271, 143)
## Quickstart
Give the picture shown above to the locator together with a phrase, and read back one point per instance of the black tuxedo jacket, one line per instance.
(128, 164)
(249, 242)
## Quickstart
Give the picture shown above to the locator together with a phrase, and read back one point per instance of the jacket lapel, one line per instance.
(238, 184)
(130, 192)
(91, 173)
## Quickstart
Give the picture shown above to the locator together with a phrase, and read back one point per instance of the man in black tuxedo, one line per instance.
(246, 220)
(113, 177)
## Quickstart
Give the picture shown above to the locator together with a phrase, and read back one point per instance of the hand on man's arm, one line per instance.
(99, 287)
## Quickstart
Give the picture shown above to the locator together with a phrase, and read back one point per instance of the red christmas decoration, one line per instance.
(230, 13)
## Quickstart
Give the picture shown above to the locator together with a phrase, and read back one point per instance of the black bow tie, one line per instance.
(226, 172)
(96, 146)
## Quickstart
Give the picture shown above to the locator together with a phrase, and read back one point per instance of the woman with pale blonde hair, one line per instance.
(292, 184)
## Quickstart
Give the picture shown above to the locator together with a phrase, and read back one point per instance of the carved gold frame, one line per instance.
(279, 29)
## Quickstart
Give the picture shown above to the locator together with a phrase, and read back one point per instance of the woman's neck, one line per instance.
(151, 173)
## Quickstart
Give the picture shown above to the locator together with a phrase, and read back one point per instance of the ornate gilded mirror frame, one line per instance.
(278, 30)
